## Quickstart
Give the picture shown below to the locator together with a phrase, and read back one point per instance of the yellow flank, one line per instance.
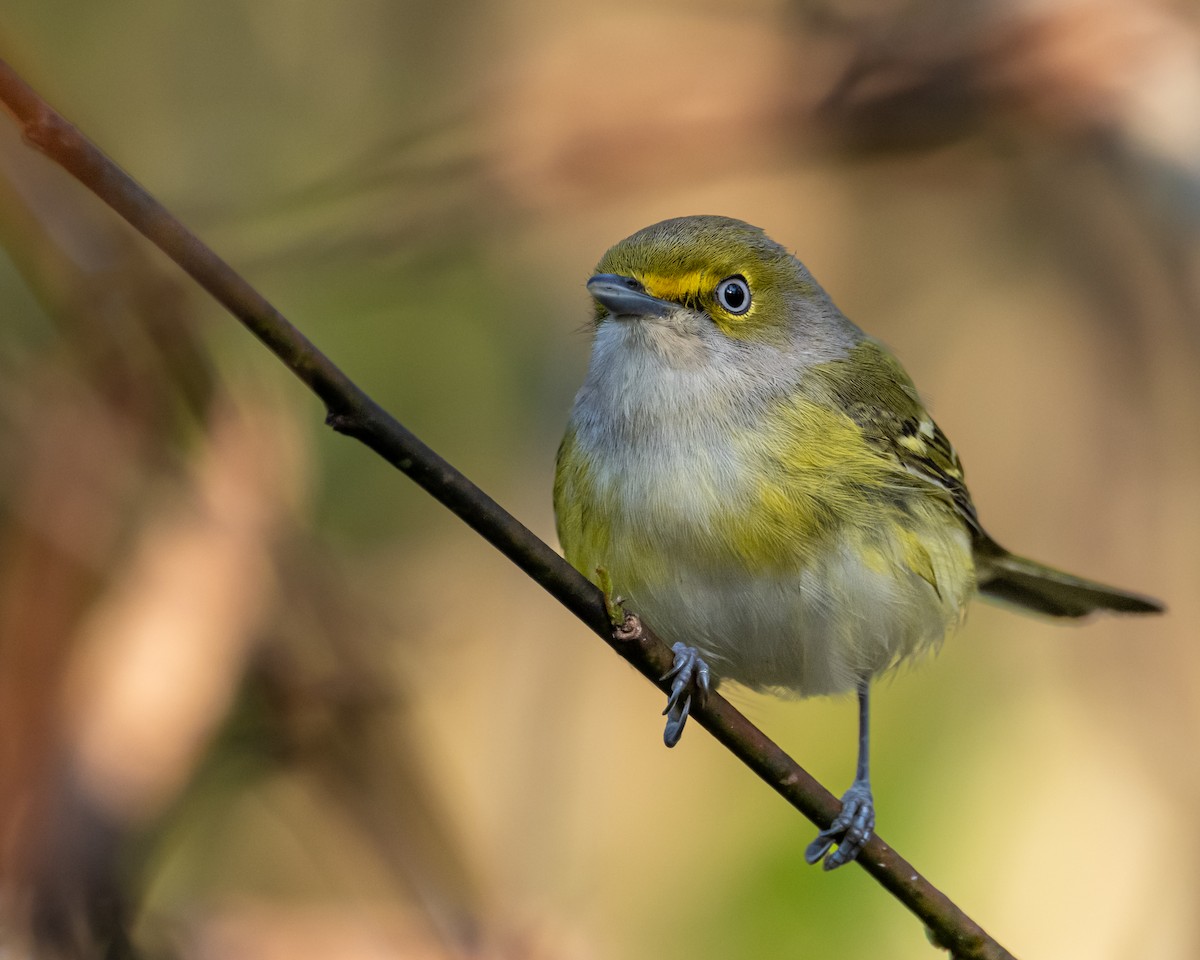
(814, 478)
(916, 555)
(581, 517)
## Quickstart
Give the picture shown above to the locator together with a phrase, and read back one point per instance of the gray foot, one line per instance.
(692, 678)
(851, 828)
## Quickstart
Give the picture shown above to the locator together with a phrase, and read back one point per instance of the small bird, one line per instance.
(757, 478)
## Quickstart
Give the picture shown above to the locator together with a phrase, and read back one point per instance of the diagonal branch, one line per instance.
(352, 412)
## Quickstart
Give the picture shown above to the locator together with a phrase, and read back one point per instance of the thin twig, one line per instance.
(350, 411)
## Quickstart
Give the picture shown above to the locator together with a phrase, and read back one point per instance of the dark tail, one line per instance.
(1011, 579)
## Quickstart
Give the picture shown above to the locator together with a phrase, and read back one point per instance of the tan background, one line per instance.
(256, 680)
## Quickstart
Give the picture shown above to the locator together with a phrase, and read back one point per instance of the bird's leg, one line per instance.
(692, 678)
(854, 826)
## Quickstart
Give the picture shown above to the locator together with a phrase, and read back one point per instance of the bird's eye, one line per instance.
(733, 293)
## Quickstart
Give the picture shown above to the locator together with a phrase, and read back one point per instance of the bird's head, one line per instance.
(708, 276)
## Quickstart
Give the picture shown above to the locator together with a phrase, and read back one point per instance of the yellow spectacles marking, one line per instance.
(680, 287)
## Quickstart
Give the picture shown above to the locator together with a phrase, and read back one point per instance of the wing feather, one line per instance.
(875, 392)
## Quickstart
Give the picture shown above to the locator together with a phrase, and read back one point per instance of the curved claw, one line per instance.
(691, 678)
(675, 723)
(850, 830)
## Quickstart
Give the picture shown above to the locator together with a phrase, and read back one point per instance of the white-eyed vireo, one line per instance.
(759, 480)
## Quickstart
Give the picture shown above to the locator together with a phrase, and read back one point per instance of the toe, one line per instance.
(689, 676)
(676, 719)
(850, 830)
(818, 848)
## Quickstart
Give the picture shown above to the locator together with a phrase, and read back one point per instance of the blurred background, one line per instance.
(261, 697)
